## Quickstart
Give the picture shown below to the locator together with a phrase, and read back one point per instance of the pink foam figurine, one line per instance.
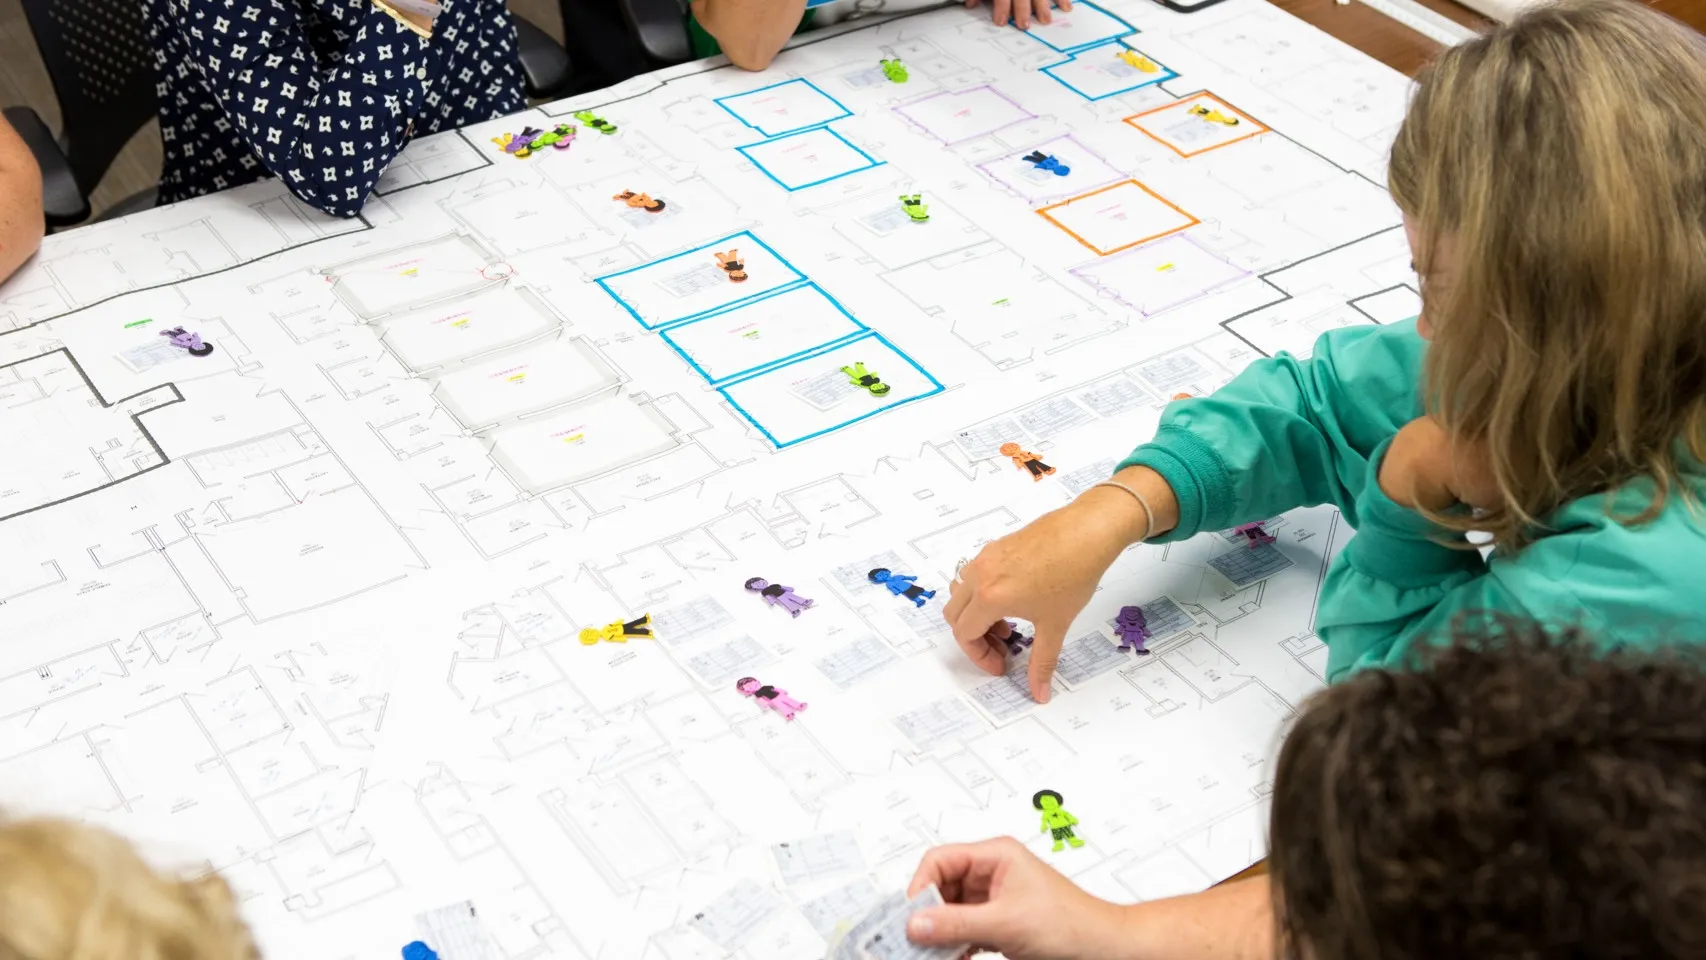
(774, 698)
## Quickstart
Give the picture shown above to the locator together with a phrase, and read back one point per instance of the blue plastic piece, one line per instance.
(419, 951)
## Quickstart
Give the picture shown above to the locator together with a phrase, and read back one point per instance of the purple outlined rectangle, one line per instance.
(933, 114)
(1089, 170)
(1160, 275)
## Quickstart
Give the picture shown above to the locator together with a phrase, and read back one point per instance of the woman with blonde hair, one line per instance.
(1552, 178)
(74, 892)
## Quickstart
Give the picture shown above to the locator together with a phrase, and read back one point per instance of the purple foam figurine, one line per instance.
(1007, 632)
(1133, 630)
(1253, 534)
(523, 140)
(188, 341)
(774, 698)
(778, 596)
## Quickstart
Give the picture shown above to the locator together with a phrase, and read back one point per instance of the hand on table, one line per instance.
(1001, 897)
(1021, 12)
(1046, 572)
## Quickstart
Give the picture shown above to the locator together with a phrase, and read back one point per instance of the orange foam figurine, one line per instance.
(731, 264)
(1026, 460)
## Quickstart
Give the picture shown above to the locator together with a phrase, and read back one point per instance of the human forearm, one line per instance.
(327, 134)
(1234, 921)
(1122, 516)
(751, 32)
(21, 220)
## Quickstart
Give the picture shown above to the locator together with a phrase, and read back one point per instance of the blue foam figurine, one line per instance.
(1048, 162)
(419, 951)
(901, 585)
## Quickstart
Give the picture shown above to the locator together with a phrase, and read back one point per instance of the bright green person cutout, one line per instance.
(1056, 821)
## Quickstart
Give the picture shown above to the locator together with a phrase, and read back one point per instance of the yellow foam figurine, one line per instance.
(1138, 60)
(1214, 116)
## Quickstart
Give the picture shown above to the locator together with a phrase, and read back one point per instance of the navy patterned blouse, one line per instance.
(320, 93)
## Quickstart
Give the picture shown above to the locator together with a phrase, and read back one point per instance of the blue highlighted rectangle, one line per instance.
(808, 158)
(810, 396)
(1098, 72)
(786, 107)
(1085, 25)
(692, 283)
(762, 333)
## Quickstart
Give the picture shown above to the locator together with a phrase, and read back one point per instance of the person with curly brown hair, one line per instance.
(1518, 794)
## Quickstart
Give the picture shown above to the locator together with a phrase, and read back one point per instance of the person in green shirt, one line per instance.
(1552, 394)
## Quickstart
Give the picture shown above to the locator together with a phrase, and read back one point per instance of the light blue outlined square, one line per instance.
(1106, 48)
(869, 162)
(831, 108)
(852, 332)
(792, 278)
(1123, 29)
(889, 402)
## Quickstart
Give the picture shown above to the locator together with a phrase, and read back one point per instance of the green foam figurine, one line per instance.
(1056, 821)
(894, 70)
(915, 208)
(865, 378)
(594, 121)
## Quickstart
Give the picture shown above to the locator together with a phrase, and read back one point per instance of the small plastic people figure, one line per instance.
(865, 378)
(1138, 60)
(901, 585)
(778, 596)
(522, 144)
(509, 144)
(188, 341)
(642, 201)
(618, 632)
(549, 138)
(1048, 162)
(565, 134)
(1026, 460)
(894, 70)
(1132, 627)
(775, 698)
(419, 951)
(915, 208)
(592, 120)
(1253, 534)
(1057, 823)
(731, 264)
(1007, 632)
(1213, 116)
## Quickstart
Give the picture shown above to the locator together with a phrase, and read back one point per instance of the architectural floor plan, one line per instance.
(308, 610)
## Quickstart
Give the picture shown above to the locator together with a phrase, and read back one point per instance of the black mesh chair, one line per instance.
(96, 53)
(98, 57)
(612, 40)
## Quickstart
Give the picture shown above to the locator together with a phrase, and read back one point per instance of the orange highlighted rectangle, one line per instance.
(1117, 217)
(1189, 134)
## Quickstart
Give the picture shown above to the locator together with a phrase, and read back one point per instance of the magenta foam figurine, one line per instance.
(775, 698)
(778, 596)
(1253, 534)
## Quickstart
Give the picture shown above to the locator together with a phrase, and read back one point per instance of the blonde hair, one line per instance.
(73, 892)
(1560, 162)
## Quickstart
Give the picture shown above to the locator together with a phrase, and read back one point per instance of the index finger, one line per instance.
(1022, 14)
(1045, 654)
